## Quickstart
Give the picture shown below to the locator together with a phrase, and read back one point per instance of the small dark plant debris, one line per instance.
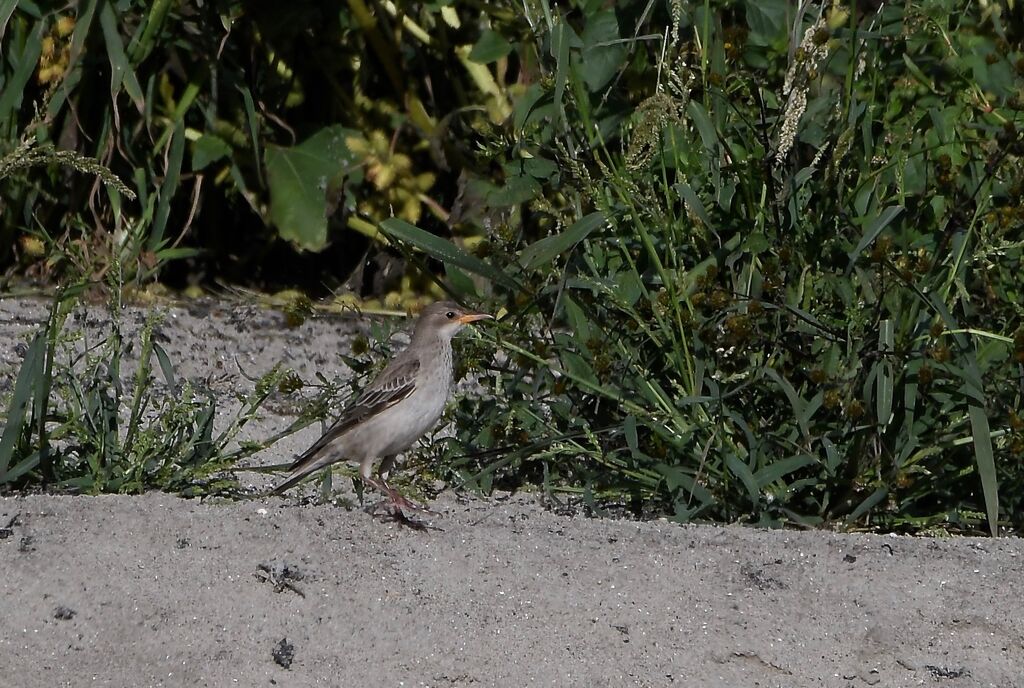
(64, 613)
(849, 558)
(284, 653)
(281, 574)
(943, 672)
(8, 530)
(760, 579)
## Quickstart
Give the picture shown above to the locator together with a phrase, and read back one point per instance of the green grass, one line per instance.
(756, 264)
(83, 419)
(728, 321)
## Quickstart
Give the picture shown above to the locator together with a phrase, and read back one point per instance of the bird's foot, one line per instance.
(399, 507)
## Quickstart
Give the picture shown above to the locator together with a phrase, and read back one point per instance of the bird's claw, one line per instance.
(398, 505)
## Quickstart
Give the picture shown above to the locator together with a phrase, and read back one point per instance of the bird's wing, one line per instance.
(395, 383)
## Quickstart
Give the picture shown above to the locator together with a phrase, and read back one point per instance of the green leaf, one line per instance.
(986, 463)
(783, 467)
(561, 37)
(165, 366)
(741, 471)
(461, 283)
(14, 88)
(24, 388)
(254, 127)
(491, 47)
(884, 376)
(767, 20)
(757, 243)
(300, 180)
(177, 253)
(530, 106)
(169, 186)
(445, 251)
(795, 401)
(6, 10)
(694, 203)
(540, 168)
(603, 53)
(705, 128)
(545, 250)
(207, 149)
(629, 430)
(121, 72)
(518, 189)
(869, 503)
(578, 368)
(874, 228)
(579, 325)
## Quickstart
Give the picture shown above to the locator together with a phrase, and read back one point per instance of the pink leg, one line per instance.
(398, 504)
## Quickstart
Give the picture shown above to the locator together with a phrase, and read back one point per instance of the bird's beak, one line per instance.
(473, 317)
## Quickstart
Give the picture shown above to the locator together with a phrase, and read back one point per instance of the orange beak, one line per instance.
(473, 317)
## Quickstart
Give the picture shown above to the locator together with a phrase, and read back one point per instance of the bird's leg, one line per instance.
(398, 503)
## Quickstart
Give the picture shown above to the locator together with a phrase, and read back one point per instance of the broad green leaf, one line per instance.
(527, 107)
(756, 243)
(783, 467)
(14, 88)
(445, 251)
(543, 251)
(460, 282)
(602, 54)
(207, 149)
(795, 401)
(705, 128)
(694, 203)
(580, 326)
(540, 168)
(869, 503)
(767, 20)
(165, 366)
(742, 471)
(578, 368)
(676, 478)
(517, 189)
(300, 179)
(491, 47)
(6, 10)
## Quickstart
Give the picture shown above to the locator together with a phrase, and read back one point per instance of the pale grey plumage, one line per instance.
(397, 408)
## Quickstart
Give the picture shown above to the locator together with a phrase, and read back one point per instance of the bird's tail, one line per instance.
(289, 483)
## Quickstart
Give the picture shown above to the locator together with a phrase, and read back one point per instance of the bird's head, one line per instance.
(445, 318)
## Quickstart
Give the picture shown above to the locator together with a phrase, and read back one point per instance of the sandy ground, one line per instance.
(161, 591)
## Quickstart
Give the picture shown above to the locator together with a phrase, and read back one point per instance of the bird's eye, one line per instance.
(450, 315)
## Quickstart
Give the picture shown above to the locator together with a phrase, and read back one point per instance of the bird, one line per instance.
(393, 411)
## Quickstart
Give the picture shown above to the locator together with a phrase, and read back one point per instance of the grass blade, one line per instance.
(986, 465)
(875, 228)
(24, 388)
(741, 471)
(6, 10)
(543, 251)
(884, 377)
(445, 251)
